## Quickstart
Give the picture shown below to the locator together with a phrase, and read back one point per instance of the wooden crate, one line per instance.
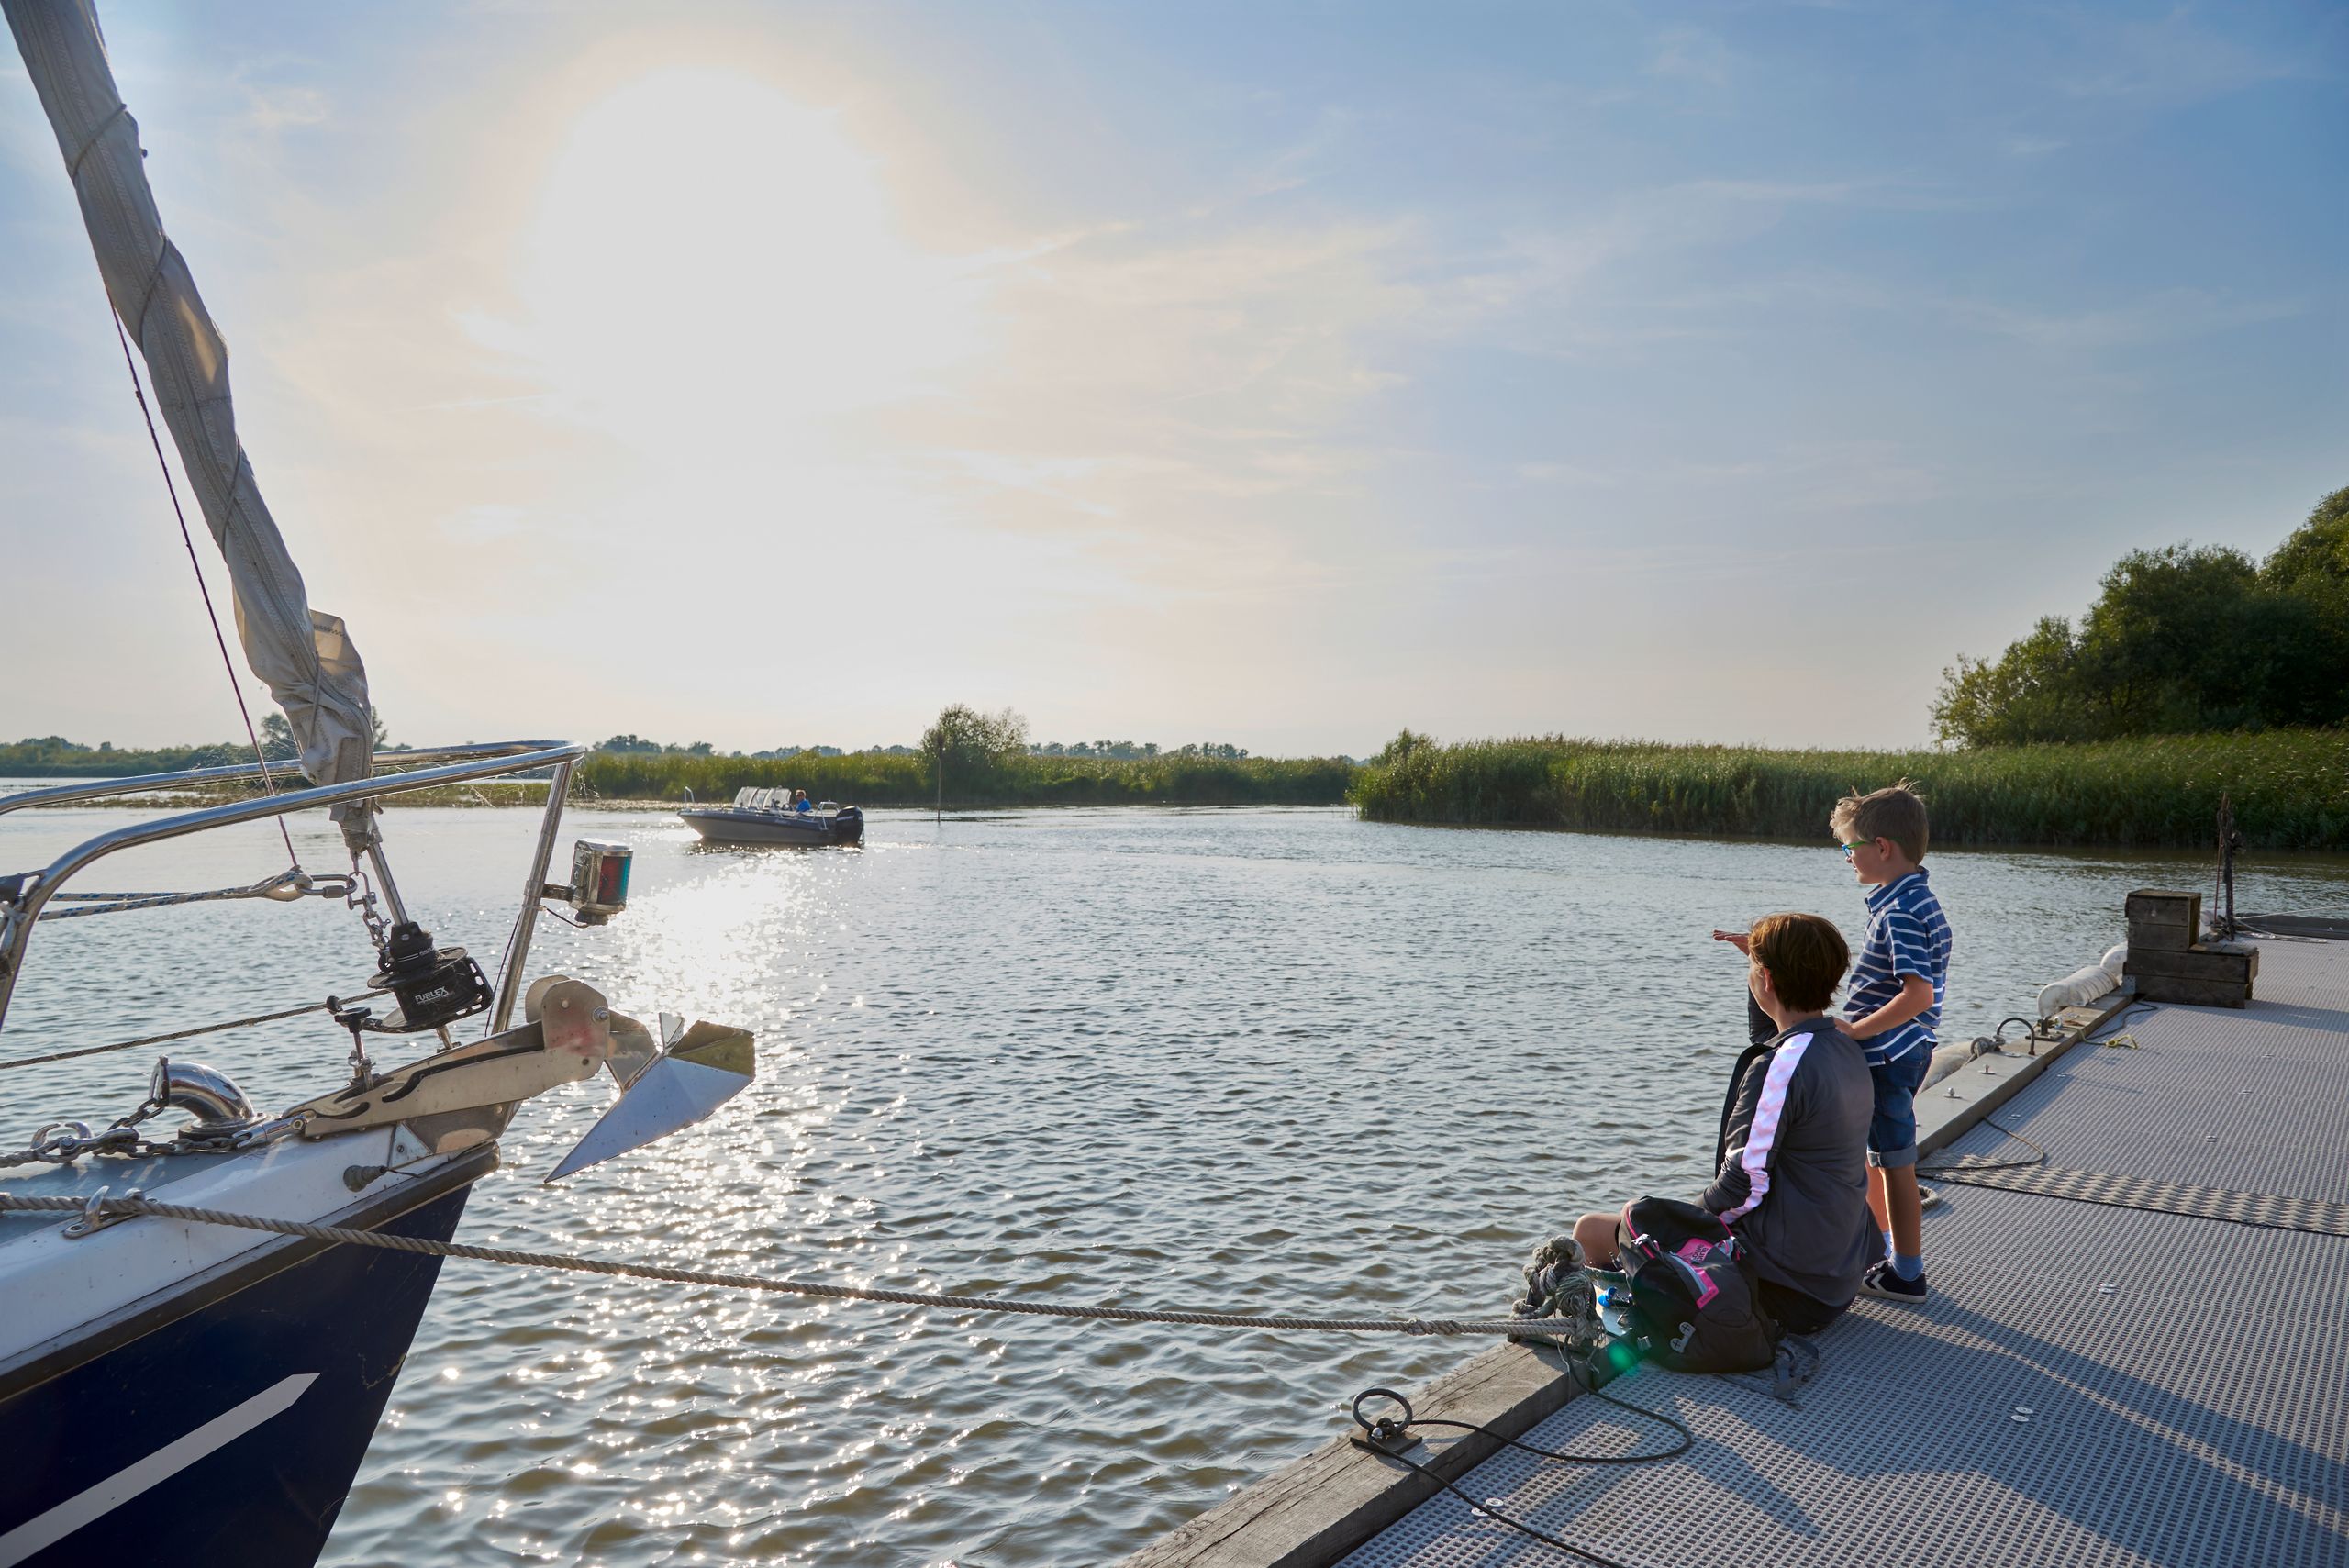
(2193, 993)
(2236, 961)
(2160, 919)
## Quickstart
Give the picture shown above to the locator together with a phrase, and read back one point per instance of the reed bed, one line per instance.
(2290, 788)
(871, 778)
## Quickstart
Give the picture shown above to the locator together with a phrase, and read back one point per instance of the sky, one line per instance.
(1273, 375)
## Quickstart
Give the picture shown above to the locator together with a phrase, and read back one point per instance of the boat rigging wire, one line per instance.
(235, 689)
(284, 887)
(189, 1033)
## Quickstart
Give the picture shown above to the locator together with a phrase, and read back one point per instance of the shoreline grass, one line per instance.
(874, 778)
(2290, 788)
(870, 778)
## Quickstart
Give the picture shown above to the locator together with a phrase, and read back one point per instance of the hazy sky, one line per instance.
(1274, 374)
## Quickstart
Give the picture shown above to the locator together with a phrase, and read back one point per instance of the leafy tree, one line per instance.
(278, 742)
(2029, 693)
(2184, 640)
(2180, 639)
(2314, 562)
(277, 739)
(1405, 741)
(630, 744)
(966, 739)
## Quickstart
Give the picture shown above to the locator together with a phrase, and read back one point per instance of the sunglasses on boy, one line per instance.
(1863, 844)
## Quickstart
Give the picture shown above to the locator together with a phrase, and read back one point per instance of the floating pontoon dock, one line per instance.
(2137, 1352)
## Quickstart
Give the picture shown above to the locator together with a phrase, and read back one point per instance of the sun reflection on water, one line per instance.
(1095, 1056)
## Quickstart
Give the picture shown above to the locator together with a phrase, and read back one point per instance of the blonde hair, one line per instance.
(1896, 812)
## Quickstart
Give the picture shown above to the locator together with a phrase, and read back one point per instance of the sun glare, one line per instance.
(712, 263)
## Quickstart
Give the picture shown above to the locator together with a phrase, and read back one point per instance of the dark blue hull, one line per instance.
(222, 1424)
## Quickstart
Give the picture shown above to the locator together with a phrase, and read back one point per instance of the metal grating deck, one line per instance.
(2187, 1380)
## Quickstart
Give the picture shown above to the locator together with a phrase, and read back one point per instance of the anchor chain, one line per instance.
(62, 1142)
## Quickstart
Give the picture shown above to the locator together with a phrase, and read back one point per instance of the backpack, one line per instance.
(1693, 1302)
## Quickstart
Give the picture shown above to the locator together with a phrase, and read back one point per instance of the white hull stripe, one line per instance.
(1763, 1136)
(45, 1531)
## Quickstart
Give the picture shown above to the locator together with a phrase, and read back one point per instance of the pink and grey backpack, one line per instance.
(1692, 1297)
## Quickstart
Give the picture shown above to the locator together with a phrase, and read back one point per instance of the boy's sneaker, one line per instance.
(1886, 1286)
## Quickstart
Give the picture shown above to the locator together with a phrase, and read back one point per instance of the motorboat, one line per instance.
(197, 1387)
(768, 817)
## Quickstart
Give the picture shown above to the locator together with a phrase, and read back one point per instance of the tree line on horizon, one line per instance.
(2180, 641)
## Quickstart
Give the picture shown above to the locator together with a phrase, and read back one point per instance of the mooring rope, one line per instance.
(138, 1207)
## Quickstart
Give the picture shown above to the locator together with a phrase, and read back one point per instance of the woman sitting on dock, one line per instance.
(1792, 1158)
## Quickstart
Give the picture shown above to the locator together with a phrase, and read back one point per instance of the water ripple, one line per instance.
(1262, 1061)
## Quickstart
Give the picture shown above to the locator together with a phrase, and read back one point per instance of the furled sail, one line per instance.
(304, 656)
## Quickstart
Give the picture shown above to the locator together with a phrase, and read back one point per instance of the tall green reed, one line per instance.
(2290, 788)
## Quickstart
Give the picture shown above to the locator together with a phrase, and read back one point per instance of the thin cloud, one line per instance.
(2170, 315)
(1691, 54)
(274, 109)
(2177, 61)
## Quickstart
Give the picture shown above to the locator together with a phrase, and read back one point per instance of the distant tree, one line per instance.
(1405, 741)
(629, 743)
(2184, 640)
(967, 742)
(2029, 693)
(699, 748)
(2314, 562)
(2179, 640)
(277, 742)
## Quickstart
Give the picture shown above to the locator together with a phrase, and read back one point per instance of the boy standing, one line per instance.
(1893, 1009)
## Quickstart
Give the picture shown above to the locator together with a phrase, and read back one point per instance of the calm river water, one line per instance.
(1258, 1059)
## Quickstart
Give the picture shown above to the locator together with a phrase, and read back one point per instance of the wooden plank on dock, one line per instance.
(1335, 1498)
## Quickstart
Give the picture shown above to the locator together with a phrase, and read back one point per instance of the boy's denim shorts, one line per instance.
(1892, 1130)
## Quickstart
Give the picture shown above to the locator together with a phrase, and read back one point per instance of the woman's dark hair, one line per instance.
(1805, 955)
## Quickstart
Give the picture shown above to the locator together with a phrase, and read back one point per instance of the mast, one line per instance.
(304, 656)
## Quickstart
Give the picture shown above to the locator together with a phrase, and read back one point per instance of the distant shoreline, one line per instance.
(2289, 789)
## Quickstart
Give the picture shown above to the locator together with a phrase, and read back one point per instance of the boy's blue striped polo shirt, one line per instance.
(1906, 934)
